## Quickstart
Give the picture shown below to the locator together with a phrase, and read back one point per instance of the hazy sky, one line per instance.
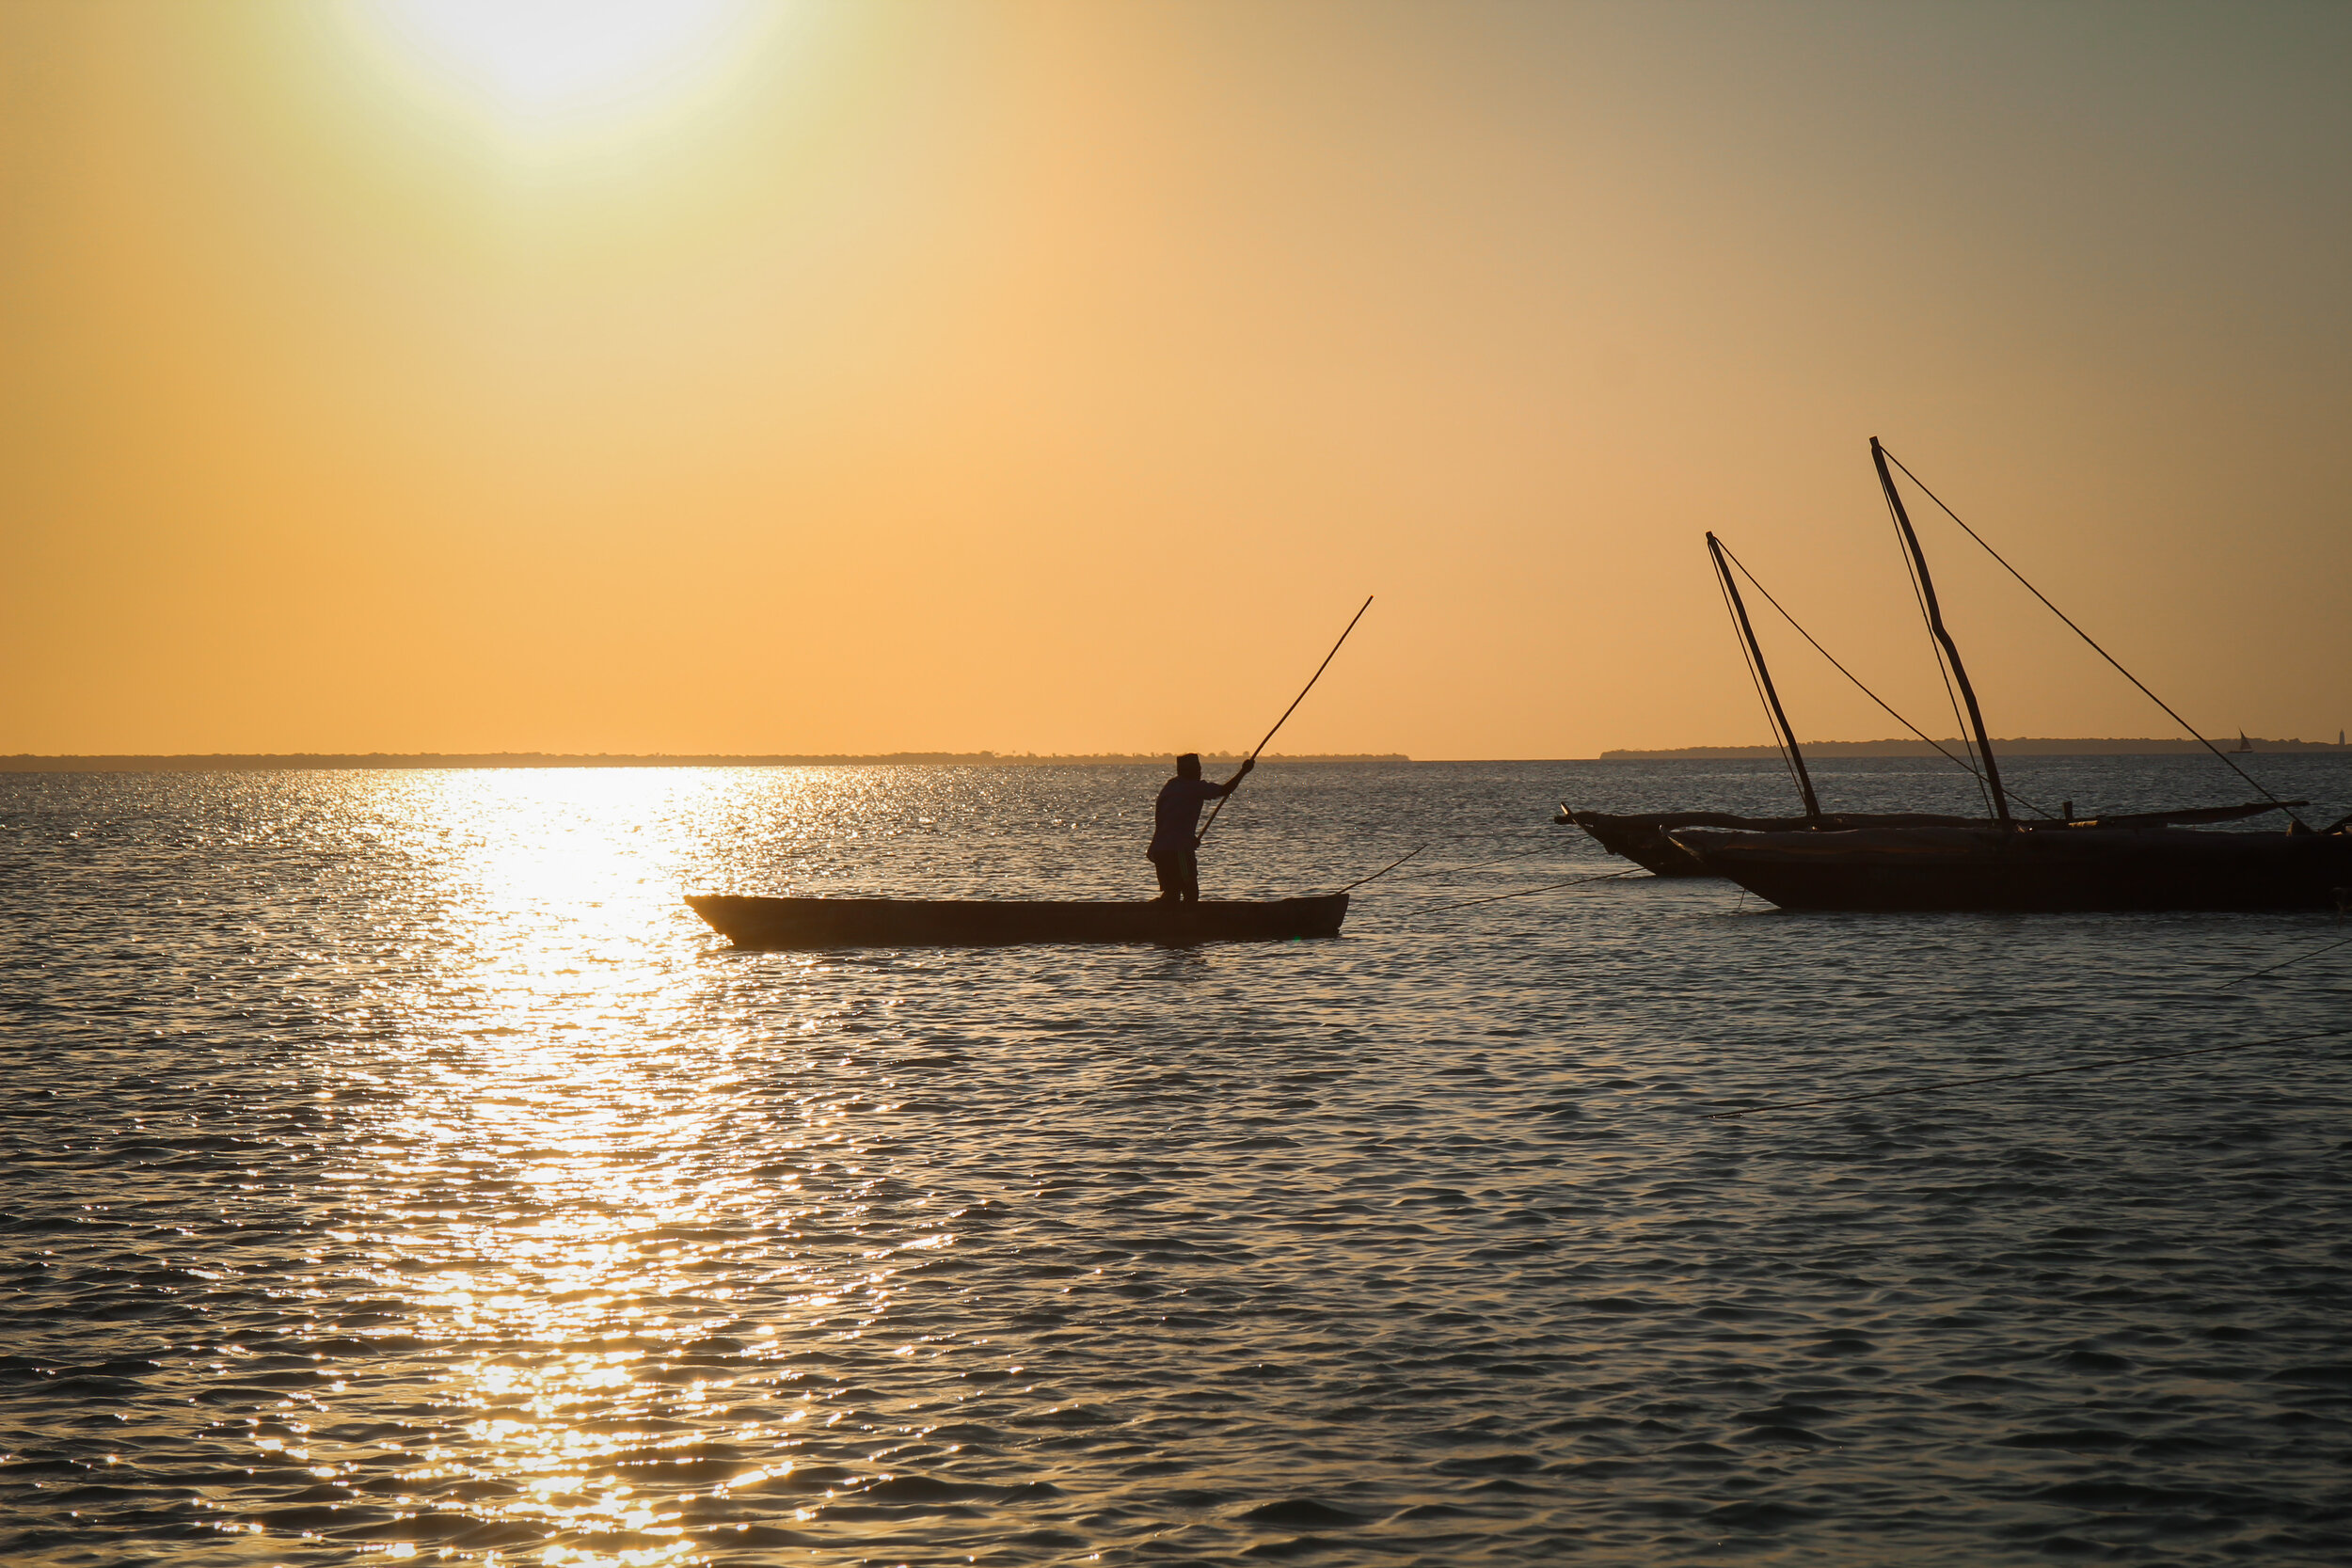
(865, 377)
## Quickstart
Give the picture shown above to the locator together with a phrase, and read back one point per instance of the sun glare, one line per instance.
(547, 62)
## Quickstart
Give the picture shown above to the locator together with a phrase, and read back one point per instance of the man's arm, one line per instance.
(1235, 782)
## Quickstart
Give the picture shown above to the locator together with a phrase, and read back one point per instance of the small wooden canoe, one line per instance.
(770, 923)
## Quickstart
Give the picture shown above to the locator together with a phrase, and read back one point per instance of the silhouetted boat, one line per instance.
(773, 923)
(1647, 841)
(1651, 841)
(1648, 838)
(1645, 838)
(2120, 862)
(2044, 869)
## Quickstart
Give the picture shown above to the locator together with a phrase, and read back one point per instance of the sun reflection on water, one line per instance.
(546, 1199)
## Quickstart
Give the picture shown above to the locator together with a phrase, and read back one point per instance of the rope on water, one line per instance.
(1545, 849)
(1549, 848)
(1943, 1083)
(2282, 963)
(1497, 898)
(1384, 870)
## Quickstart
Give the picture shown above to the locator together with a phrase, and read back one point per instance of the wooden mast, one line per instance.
(1764, 676)
(1935, 625)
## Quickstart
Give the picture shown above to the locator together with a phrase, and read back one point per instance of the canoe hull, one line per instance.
(785, 923)
(2063, 870)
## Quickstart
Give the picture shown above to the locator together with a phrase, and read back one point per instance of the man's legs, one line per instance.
(1180, 875)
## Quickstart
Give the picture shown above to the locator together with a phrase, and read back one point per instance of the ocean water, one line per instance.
(396, 1168)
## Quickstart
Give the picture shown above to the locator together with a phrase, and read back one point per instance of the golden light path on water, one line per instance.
(582, 1098)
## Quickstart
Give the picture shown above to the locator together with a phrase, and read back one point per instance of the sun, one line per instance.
(542, 64)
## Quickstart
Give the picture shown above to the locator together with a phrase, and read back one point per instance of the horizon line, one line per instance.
(30, 762)
(196, 762)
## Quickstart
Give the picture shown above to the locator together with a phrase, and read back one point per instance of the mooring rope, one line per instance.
(1943, 1084)
(2282, 963)
(1497, 898)
(1384, 870)
(1475, 865)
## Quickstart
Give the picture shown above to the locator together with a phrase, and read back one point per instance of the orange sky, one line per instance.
(868, 376)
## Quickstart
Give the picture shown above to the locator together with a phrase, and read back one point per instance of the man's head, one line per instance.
(1188, 765)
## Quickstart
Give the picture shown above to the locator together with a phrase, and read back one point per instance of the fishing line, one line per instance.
(2014, 1077)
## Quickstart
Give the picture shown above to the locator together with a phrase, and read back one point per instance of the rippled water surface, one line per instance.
(395, 1167)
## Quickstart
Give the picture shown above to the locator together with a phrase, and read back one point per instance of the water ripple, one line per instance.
(396, 1168)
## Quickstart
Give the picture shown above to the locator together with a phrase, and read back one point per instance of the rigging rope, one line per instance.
(1747, 657)
(1906, 724)
(2088, 637)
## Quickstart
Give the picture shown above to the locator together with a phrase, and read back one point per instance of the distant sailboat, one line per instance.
(2243, 745)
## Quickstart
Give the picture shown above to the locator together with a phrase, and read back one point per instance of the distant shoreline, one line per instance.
(2022, 747)
(291, 762)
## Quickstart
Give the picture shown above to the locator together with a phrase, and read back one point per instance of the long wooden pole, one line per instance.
(1293, 708)
(1764, 675)
(1935, 625)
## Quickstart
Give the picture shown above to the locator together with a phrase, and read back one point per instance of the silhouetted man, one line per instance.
(1176, 826)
